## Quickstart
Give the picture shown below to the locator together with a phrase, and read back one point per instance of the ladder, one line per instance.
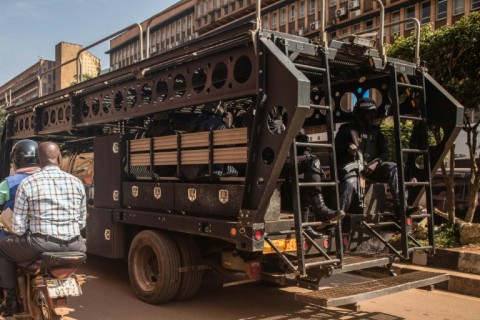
(418, 149)
(299, 263)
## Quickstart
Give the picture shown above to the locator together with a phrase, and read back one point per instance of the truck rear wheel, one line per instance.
(153, 267)
(190, 257)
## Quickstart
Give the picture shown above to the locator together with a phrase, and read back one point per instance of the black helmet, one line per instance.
(24, 154)
(365, 109)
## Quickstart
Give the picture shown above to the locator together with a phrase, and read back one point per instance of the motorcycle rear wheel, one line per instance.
(41, 305)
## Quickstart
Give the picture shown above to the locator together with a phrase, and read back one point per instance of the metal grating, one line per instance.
(348, 294)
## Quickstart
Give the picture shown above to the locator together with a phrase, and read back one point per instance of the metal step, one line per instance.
(348, 294)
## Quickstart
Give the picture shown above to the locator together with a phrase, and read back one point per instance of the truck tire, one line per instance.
(190, 256)
(153, 267)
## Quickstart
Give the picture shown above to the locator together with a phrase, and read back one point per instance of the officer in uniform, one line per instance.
(312, 198)
(363, 138)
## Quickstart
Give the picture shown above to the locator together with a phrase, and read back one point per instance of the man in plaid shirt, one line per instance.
(50, 211)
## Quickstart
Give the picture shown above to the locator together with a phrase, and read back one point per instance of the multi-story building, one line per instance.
(43, 77)
(189, 18)
(67, 74)
(26, 85)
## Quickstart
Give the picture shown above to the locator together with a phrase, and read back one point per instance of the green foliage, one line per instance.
(406, 128)
(387, 129)
(445, 236)
(451, 55)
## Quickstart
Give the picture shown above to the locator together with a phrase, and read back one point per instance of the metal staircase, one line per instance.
(298, 262)
(417, 153)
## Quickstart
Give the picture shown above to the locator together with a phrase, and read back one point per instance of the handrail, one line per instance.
(417, 35)
(382, 30)
(79, 74)
(259, 14)
(322, 28)
(79, 62)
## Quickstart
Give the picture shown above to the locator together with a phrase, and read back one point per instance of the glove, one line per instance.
(369, 168)
(352, 149)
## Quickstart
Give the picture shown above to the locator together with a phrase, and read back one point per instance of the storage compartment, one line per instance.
(149, 195)
(212, 199)
(104, 236)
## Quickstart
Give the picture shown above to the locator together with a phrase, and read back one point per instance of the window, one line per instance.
(265, 22)
(356, 28)
(311, 6)
(395, 18)
(332, 3)
(425, 13)
(410, 14)
(458, 7)
(301, 9)
(344, 32)
(283, 17)
(441, 9)
(274, 20)
(292, 13)
(368, 24)
(475, 4)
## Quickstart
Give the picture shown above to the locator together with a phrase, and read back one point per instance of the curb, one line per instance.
(468, 262)
(460, 282)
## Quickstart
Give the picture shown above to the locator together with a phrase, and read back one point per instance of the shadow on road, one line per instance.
(107, 295)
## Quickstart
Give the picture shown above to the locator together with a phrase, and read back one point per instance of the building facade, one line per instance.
(29, 84)
(189, 18)
(43, 77)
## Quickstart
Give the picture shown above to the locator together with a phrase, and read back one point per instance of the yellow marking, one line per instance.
(282, 245)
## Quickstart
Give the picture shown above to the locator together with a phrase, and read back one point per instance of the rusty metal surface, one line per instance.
(353, 293)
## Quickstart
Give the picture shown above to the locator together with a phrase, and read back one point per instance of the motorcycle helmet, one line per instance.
(24, 154)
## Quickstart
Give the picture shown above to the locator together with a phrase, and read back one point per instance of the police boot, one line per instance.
(322, 212)
(308, 230)
(9, 305)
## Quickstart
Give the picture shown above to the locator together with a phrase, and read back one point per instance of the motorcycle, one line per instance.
(45, 284)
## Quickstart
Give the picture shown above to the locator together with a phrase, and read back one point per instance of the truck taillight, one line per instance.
(258, 235)
(326, 243)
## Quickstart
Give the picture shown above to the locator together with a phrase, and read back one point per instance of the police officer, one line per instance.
(361, 138)
(312, 197)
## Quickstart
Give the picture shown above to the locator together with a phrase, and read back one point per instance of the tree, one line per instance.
(452, 57)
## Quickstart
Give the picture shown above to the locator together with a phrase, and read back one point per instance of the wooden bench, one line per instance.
(208, 147)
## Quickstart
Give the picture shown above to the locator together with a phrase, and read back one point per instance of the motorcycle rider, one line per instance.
(24, 158)
(371, 144)
(49, 212)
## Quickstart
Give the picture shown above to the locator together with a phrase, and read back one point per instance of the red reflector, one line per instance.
(258, 235)
(409, 221)
(326, 243)
(306, 246)
(345, 241)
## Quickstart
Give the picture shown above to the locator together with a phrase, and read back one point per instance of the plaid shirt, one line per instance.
(50, 202)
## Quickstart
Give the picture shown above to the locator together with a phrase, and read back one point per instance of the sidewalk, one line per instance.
(463, 266)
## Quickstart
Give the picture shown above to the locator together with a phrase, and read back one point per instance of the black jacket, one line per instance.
(372, 143)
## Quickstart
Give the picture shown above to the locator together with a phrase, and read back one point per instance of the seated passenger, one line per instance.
(311, 198)
(363, 137)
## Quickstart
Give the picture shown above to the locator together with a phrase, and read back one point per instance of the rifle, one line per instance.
(359, 168)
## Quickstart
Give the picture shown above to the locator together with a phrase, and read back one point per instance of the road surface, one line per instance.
(107, 296)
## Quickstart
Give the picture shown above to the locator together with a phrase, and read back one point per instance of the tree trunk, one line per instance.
(450, 186)
(474, 185)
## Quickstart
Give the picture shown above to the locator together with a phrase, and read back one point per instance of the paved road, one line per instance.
(107, 296)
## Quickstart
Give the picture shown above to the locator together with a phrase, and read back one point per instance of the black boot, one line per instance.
(322, 212)
(9, 305)
(308, 230)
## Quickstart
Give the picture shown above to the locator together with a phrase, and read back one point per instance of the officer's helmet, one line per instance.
(365, 109)
(25, 154)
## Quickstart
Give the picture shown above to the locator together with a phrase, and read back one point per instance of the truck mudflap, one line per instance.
(353, 293)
